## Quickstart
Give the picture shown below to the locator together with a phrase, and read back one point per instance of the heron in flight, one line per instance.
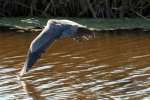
(54, 30)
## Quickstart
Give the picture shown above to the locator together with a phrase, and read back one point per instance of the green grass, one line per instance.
(94, 23)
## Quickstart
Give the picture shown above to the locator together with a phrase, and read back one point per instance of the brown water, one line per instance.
(113, 67)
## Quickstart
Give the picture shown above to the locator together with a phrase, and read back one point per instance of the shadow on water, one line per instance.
(109, 67)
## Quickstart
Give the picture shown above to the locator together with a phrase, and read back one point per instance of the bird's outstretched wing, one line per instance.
(37, 47)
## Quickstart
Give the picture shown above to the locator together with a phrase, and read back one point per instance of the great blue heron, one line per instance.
(54, 30)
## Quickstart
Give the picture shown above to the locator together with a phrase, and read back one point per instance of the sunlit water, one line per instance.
(112, 67)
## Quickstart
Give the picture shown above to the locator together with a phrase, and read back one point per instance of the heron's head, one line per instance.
(83, 33)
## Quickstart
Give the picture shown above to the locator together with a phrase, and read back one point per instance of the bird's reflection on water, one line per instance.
(31, 90)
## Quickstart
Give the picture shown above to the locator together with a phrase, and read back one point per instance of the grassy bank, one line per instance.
(94, 23)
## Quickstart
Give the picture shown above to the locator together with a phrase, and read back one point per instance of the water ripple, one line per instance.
(105, 68)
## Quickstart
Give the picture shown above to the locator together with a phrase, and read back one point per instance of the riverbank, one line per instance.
(21, 25)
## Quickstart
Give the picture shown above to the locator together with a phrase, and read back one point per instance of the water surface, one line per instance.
(112, 67)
